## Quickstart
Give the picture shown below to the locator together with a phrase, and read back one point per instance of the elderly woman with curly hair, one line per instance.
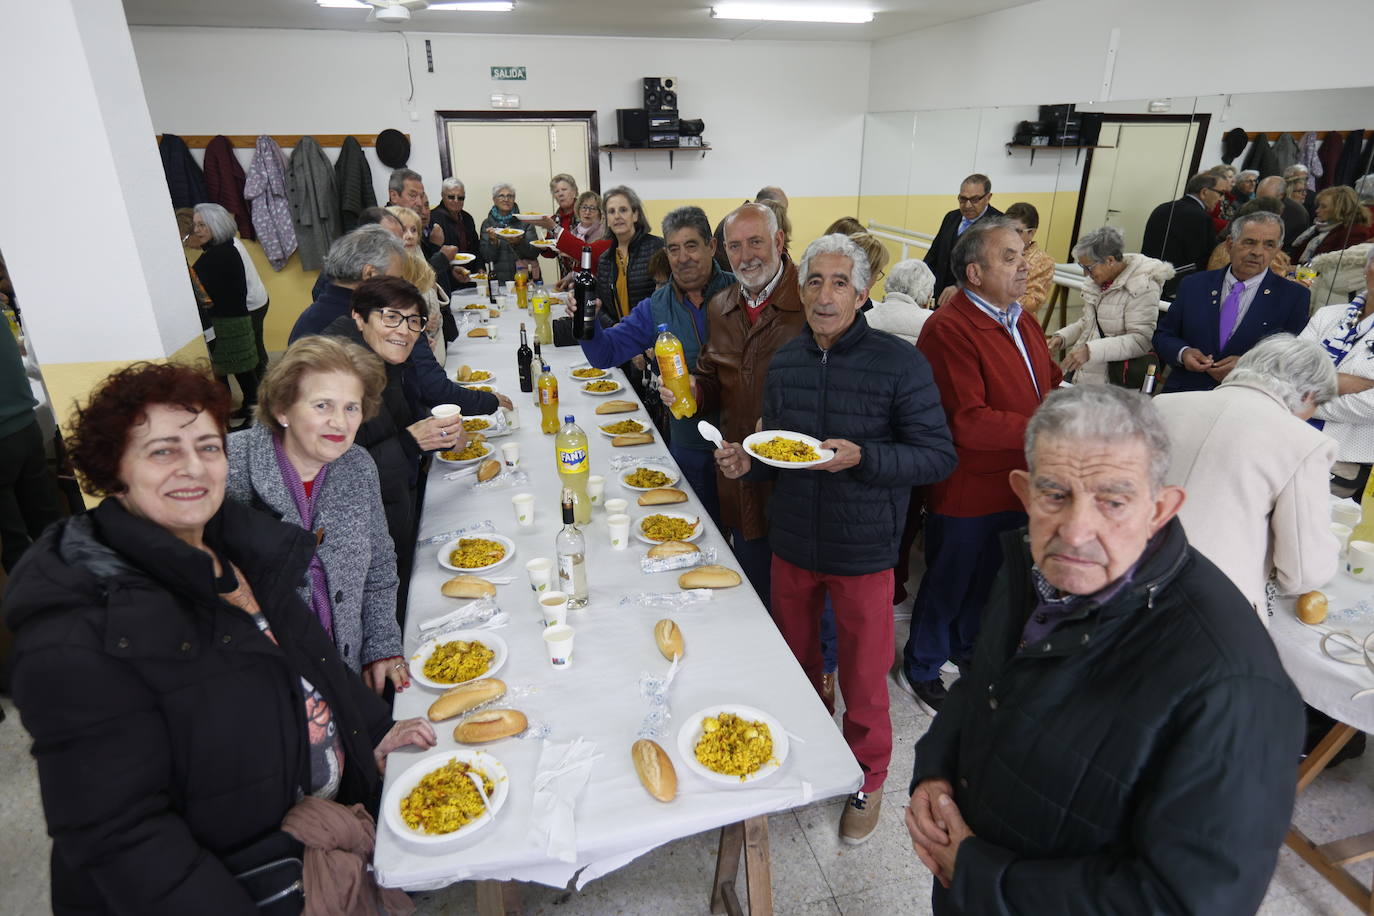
(501, 247)
(188, 711)
(300, 464)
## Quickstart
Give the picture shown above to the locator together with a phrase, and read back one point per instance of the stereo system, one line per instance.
(660, 93)
(633, 124)
(657, 125)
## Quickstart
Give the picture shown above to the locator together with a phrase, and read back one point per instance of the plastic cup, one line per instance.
(616, 506)
(1346, 514)
(510, 451)
(524, 509)
(512, 417)
(493, 331)
(558, 640)
(619, 527)
(596, 486)
(554, 607)
(445, 410)
(1359, 560)
(1342, 533)
(540, 570)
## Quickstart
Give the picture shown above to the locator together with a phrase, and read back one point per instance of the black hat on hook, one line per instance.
(393, 148)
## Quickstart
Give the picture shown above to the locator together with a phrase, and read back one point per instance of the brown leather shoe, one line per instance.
(828, 689)
(860, 817)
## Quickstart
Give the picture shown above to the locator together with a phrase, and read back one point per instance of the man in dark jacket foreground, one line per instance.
(1126, 740)
(835, 527)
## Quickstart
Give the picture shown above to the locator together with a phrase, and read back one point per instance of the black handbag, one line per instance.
(1129, 373)
(271, 872)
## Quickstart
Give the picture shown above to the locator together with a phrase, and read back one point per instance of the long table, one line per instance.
(734, 654)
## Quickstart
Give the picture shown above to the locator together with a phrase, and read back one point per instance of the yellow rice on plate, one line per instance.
(780, 448)
(733, 746)
(446, 799)
(458, 661)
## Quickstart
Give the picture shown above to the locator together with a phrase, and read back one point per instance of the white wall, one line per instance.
(1056, 50)
(780, 113)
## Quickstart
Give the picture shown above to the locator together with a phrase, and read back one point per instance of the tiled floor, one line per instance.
(813, 874)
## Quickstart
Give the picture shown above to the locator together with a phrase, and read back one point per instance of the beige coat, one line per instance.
(1127, 311)
(1257, 483)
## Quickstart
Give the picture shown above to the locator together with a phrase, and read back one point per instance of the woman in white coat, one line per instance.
(906, 305)
(1120, 306)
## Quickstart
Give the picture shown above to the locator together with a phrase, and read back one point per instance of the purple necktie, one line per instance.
(1229, 310)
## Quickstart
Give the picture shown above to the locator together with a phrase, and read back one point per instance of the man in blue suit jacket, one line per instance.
(1250, 300)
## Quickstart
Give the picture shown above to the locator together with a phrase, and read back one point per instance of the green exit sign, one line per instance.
(507, 73)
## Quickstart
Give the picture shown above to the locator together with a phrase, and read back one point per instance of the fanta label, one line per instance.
(572, 460)
(677, 366)
(547, 395)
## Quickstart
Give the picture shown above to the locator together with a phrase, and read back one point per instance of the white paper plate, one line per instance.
(587, 378)
(463, 257)
(488, 387)
(484, 381)
(690, 734)
(452, 545)
(493, 642)
(619, 386)
(546, 244)
(643, 426)
(439, 457)
(530, 217)
(673, 476)
(510, 233)
(685, 516)
(754, 439)
(491, 428)
(407, 781)
(474, 307)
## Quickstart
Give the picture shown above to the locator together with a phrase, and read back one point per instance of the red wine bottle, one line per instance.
(524, 358)
(584, 298)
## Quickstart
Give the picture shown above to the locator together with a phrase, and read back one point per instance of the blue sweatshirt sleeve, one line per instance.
(435, 387)
(615, 345)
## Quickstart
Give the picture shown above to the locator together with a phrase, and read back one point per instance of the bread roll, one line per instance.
(488, 469)
(464, 372)
(655, 769)
(491, 725)
(632, 439)
(1312, 607)
(662, 496)
(669, 638)
(617, 406)
(673, 549)
(478, 332)
(709, 577)
(468, 586)
(464, 697)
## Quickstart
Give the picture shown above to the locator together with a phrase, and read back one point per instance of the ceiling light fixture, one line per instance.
(774, 12)
(476, 6)
(343, 4)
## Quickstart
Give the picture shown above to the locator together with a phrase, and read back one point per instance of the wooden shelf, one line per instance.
(611, 150)
(285, 141)
(1048, 146)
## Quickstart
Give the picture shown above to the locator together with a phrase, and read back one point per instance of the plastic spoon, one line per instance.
(486, 802)
(710, 433)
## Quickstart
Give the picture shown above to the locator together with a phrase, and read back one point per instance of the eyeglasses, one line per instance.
(455, 197)
(392, 319)
(971, 200)
(590, 208)
(504, 197)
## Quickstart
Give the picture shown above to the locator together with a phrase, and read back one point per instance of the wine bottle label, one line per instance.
(572, 460)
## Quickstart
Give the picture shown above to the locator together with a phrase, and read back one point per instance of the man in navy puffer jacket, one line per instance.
(834, 527)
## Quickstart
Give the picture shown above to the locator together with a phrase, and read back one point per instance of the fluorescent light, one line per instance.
(476, 6)
(774, 12)
(344, 4)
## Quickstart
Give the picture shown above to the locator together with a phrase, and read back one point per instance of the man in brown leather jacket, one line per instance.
(749, 321)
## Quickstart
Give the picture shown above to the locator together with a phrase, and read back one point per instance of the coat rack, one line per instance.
(1295, 134)
(285, 141)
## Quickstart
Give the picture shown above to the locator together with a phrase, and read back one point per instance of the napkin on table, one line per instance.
(562, 776)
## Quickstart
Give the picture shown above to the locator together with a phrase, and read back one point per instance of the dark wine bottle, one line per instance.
(584, 298)
(524, 358)
(491, 282)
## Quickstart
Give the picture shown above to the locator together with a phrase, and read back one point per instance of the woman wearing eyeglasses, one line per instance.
(498, 250)
(388, 317)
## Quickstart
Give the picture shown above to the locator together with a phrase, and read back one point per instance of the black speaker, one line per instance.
(633, 124)
(660, 93)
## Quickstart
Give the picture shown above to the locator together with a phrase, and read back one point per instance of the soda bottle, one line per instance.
(543, 326)
(1364, 531)
(584, 295)
(672, 365)
(570, 447)
(524, 358)
(522, 287)
(548, 400)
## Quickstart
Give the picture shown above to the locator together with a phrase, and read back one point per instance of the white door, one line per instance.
(526, 154)
(1147, 166)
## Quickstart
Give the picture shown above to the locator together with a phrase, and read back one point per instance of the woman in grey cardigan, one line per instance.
(299, 463)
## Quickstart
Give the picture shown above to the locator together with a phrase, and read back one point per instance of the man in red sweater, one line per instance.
(993, 369)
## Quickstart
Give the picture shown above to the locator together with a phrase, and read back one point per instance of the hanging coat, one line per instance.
(266, 192)
(1330, 154)
(353, 178)
(1286, 153)
(224, 182)
(1261, 157)
(1347, 169)
(314, 202)
(185, 181)
(1307, 155)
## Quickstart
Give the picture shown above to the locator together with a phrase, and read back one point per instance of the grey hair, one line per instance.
(768, 214)
(1298, 372)
(835, 243)
(350, 253)
(772, 192)
(1224, 170)
(451, 184)
(1258, 216)
(1296, 170)
(1247, 173)
(1102, 413)
(972, 246)
(687, 218)
(564, 176)
(1101, 244)
(398, 179)
(496, 188)
(913, 278)
(218, 220)
(1272, 181)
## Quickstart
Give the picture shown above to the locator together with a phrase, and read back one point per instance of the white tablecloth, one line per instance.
(734, 654)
